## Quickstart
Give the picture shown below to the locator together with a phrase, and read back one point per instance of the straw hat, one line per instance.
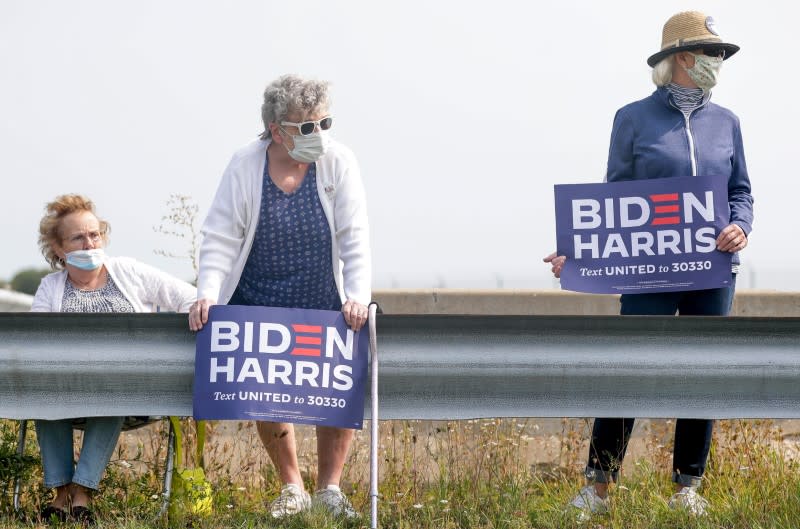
(690, 30)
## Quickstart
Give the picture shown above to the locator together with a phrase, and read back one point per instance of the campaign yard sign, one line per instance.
(280, 365)
(641, 236)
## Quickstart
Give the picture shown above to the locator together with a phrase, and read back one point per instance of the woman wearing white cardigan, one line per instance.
(288, 228)
(72, 240)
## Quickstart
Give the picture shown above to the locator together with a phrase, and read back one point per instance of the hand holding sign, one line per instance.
(355, 314)
(557, 262)
(198, 313)
(731, 239)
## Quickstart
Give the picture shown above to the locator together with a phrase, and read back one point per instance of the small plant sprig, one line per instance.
(181, 222)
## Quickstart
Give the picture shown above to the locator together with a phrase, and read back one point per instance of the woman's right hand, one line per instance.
(557, 261)
(355, 314)
(198, 313)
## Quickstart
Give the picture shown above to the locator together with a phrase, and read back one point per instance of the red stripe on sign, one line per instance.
(299, 351)
(667, 209)
(665, 220)
(313, 340)
(307, 328)
(668, 197)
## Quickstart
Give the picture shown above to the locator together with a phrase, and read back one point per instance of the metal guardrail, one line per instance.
(79, 365)
(432, 367)
(599, 366)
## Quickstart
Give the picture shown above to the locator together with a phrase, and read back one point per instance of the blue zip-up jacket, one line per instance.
(651, 139)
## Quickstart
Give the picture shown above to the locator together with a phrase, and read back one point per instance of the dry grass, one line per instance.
(492, 473)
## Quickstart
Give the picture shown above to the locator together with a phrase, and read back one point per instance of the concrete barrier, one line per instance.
(556, 302)
(514, 302)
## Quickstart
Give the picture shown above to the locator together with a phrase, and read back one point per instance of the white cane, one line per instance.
(373, 441)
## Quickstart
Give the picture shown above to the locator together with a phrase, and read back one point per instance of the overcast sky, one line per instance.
(463, 116)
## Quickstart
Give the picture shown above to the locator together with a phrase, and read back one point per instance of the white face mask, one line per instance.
(86, 259)
(308, 149)
(705, 71)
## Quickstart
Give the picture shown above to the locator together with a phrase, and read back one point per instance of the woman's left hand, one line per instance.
(731, 239)
(557, 263)
(355, 314)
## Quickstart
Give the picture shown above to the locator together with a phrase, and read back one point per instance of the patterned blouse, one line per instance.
(290, 262)
(107, 298)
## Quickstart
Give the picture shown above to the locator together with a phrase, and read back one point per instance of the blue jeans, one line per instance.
(55, 444)
(692, 436)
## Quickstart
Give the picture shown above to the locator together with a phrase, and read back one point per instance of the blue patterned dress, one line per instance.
(290, 263)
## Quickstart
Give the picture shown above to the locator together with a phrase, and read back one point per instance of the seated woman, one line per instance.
(72, 238)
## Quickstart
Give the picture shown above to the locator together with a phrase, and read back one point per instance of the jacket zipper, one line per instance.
(691, 145)
(692, 156)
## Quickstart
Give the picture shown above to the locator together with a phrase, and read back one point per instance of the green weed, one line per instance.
(481, 474)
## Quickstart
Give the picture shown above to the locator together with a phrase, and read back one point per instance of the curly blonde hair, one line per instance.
(50, 225)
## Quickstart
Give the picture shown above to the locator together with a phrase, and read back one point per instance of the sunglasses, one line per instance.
(719, 53)
(308, 127)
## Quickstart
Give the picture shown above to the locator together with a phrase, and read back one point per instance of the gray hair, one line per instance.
(662, 72)
(290, 94)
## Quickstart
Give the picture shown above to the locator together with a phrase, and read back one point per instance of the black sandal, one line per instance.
(83, 515)
(53, 515)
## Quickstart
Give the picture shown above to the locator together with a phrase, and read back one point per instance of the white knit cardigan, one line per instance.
(144, 286)
(231, 223)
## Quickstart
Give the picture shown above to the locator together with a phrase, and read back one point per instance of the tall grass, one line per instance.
(483, 474)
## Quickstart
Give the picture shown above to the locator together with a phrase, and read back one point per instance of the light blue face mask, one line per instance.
(86, 259)
(309, 148)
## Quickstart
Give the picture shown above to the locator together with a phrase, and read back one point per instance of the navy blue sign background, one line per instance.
(608, 232)
(280, 365)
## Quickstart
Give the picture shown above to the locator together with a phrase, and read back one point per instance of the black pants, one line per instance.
(692, 436)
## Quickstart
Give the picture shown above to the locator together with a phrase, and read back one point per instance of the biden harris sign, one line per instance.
(643, 236)
(280, 365)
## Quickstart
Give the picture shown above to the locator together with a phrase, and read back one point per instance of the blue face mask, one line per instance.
(309, 148)
(86, 259)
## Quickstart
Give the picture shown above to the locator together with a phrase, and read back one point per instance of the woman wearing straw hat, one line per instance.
(676, 131)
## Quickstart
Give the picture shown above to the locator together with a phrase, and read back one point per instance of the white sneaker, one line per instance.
(689, 500)
(589, 502)
(293, 499)
(333, 499)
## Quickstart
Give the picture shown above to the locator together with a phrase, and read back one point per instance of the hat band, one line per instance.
(691, 40)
